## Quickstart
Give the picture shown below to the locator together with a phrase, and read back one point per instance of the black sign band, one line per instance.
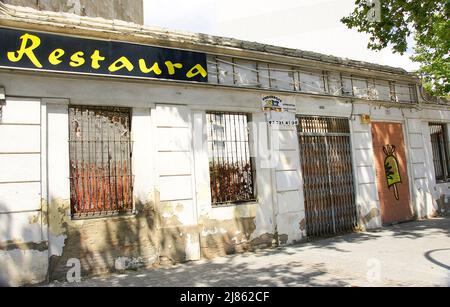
(42, 51)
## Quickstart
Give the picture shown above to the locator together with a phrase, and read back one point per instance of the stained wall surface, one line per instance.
(127, 10)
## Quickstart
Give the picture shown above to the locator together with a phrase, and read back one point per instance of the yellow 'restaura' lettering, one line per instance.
(171, 67)
(121, 63)
(155, 68)
(26, 50)
(96, 59)
(77, 60)
(29, 43)
(54, 57)
(197, 70)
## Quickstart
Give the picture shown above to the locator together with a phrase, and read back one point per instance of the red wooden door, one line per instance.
(392, 175)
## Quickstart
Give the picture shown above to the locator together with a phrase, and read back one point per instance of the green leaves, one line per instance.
(426, 20)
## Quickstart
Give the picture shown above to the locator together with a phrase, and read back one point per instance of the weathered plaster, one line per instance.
(41, 216)
(129, 10)
(24, 265)
(223, 237)
(374, 213)
(14, 245)
(443, 198)
(98, 242)
(59, 218)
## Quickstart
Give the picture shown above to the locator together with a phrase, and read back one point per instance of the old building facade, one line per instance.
(127, 10)
(120, 141)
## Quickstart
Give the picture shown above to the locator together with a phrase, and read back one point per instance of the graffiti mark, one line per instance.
(391, 167)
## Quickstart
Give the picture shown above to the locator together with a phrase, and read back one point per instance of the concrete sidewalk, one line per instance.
(412, 254)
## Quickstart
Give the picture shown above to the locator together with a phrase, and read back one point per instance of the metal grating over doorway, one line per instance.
(326, 158)
(101, 180)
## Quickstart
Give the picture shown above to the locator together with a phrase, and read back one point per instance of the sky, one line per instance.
(312, 25)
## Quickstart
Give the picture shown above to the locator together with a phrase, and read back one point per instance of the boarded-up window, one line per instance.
(440, 151)
(360, 88)
(246, 73)
(100, 161)
(230, 163)
(347, 86)
(282, 77)
(382, 90)
(334, 83)
(226, 71)
(405, 93)
(312, 82)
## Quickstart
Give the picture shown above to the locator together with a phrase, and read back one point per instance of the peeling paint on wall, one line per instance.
(283, 239)
(264, 241)
(59, 217)
(224, 237)
(444, 204)
(373, 213)
(41, 216)
(303, 225)
(32, 246)
(97, 243)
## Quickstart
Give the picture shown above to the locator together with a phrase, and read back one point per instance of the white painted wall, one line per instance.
(21, 220)
(418, 133)
(143, 156)
(289, 209)
(265, 217)
(176, 182)
(367, 198)
(58, 169)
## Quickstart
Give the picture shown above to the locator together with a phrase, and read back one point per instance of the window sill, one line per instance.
(99, 216)
(234, 211)
(236, 204)
(442, 181)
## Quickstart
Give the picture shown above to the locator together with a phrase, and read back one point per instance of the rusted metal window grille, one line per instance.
(100, 161)
(326, 158)
(440, 151)
(230, 162)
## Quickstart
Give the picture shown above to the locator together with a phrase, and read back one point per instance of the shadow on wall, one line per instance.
(98, 243)
(444, 204)
(23, 258)
(6, 268)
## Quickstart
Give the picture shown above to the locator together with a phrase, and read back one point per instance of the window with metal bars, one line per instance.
(440, 151)
(100, 161)
(230, 162)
